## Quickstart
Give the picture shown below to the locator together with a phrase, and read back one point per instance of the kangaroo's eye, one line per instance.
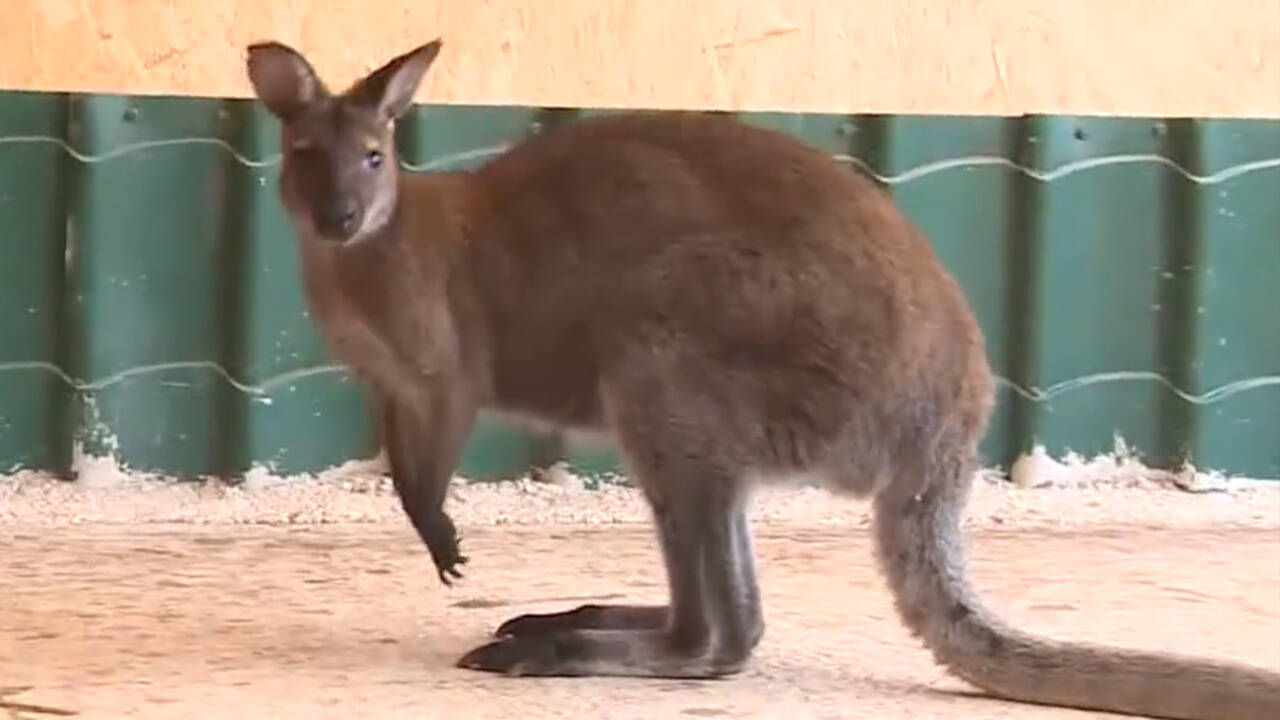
(373, 159)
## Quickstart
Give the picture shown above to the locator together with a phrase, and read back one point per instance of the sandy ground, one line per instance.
(313, 599)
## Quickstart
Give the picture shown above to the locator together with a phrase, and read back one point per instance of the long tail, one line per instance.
(920, 549)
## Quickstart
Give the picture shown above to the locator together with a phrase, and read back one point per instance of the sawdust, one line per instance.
(297, 598)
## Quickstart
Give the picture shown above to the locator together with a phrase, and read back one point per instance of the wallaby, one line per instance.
(731, 307)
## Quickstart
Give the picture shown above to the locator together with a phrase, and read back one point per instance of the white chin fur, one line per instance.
(368, 229)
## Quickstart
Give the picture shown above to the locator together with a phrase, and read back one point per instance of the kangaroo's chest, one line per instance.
(380, 342)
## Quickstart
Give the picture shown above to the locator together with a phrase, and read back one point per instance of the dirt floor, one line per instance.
(315, 600)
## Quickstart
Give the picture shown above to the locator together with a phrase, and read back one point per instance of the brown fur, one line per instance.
(731, 306)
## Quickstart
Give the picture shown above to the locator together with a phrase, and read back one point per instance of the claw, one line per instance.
(544, 654)
(445, 572)
(442, 542)
(523, 625)
(507, 657)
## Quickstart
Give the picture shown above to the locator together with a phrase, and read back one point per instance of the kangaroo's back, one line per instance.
(748, 244)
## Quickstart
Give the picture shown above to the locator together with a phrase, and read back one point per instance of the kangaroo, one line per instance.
(731, 307)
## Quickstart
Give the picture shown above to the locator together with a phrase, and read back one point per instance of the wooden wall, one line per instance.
(1115, 57)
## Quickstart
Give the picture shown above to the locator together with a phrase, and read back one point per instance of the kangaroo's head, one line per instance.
(339, 176)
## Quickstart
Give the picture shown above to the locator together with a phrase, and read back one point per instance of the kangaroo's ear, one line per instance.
(283, 79)
(389, 90)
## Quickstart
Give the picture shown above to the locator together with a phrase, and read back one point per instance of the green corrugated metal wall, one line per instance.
(1126, 273)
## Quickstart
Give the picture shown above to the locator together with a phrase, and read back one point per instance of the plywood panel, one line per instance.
(1129, 57)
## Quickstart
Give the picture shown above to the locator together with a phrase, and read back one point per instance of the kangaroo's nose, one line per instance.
(344, 217)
